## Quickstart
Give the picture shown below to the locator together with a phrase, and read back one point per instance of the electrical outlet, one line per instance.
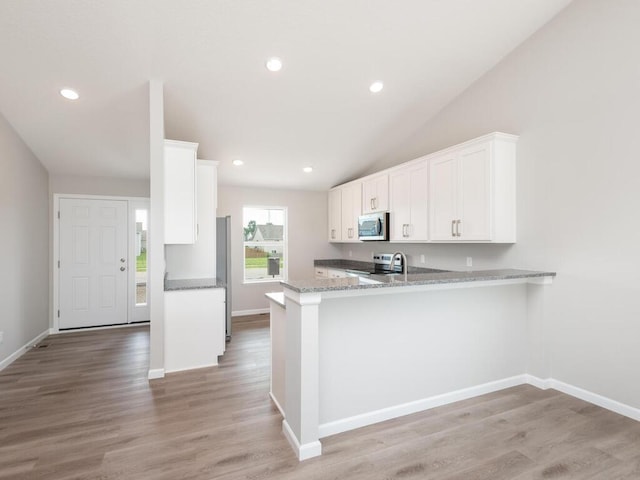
(422, 258)
(350, 254)
(469, 262)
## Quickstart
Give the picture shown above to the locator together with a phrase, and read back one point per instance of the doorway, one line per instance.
(100, 255)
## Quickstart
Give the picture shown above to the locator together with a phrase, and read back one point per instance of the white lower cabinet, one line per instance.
(194, 328)
(334, 273)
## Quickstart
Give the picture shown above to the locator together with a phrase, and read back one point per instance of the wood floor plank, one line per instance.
(82, 408)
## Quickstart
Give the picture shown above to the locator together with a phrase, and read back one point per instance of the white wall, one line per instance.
(24, 242)
(156, 228)
(572, 94)
(307, 233)
(117, 187)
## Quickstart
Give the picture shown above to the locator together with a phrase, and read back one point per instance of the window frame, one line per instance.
(284, 272)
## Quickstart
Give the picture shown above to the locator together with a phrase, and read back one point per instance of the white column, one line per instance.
(302, 374)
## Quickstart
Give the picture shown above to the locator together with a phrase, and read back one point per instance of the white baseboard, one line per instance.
(155, 373)
(357, 421)
(586, 395)
(369, 418)
(274, 400)
(22, 350)
(255, 311)
(308, 450)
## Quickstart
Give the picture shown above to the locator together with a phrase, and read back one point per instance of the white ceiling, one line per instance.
(210, 54)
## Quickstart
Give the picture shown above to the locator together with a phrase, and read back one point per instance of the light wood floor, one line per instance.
(82, 408)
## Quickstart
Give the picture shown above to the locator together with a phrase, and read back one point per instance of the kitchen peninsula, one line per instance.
(361, 350)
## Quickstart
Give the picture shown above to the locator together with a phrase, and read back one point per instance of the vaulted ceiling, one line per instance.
(317, 111)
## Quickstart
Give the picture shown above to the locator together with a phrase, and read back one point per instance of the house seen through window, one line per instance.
(265, 243)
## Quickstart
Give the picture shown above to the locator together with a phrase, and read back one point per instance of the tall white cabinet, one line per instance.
(344, 210)
(472, 191)
(408, 201)
(351, 207)
(335, 215)
(180, 197)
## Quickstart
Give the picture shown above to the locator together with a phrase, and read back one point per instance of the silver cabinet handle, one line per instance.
(350, 232)
(458, 223)
(453, 226)
(372, 203)
(333, 233)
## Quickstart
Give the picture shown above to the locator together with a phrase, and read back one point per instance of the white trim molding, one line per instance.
(304, 452)
(586, 395)
(369, 418)
(155, 373)
(22, 350)
(255, 311)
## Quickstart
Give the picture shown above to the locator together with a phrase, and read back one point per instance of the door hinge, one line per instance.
(58, 313)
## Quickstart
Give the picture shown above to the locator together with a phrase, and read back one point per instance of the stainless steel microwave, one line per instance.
(374, 226)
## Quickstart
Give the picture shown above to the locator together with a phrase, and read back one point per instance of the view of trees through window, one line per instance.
(264, 243)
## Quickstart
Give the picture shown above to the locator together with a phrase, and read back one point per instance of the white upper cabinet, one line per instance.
(472, 191)
(180, 197)
(344, 210)
(408, 187)
(335, 215)
(351, 210)
(465, 193)
(375, 193)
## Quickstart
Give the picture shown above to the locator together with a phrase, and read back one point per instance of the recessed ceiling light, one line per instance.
(307, 169)
(69, 94)
(376, 87)
(237, 163)
(274, 64)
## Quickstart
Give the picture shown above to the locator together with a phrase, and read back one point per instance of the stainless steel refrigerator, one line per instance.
(223, 263)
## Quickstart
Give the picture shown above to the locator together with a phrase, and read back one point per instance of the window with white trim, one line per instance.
(265, 244)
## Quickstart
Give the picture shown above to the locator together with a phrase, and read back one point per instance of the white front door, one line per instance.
(93, 263)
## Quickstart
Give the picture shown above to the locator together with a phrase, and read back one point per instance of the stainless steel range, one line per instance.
(382, 263)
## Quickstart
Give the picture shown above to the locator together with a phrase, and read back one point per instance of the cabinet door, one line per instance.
(351, 206)
(474, 193)
(335, 214)
(418, 228)
(400, 204)
(331, 273)
(443, 179)
(180, 192)
(194, 328)
(375, 194)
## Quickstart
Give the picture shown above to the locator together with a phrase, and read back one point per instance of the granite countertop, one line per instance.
(192, 284)
(358, 266)
(386, 281)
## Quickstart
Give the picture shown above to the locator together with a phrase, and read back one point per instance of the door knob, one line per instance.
(122, 269)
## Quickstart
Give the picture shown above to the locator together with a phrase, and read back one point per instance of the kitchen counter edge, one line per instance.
(192, 284)
(440, 278)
